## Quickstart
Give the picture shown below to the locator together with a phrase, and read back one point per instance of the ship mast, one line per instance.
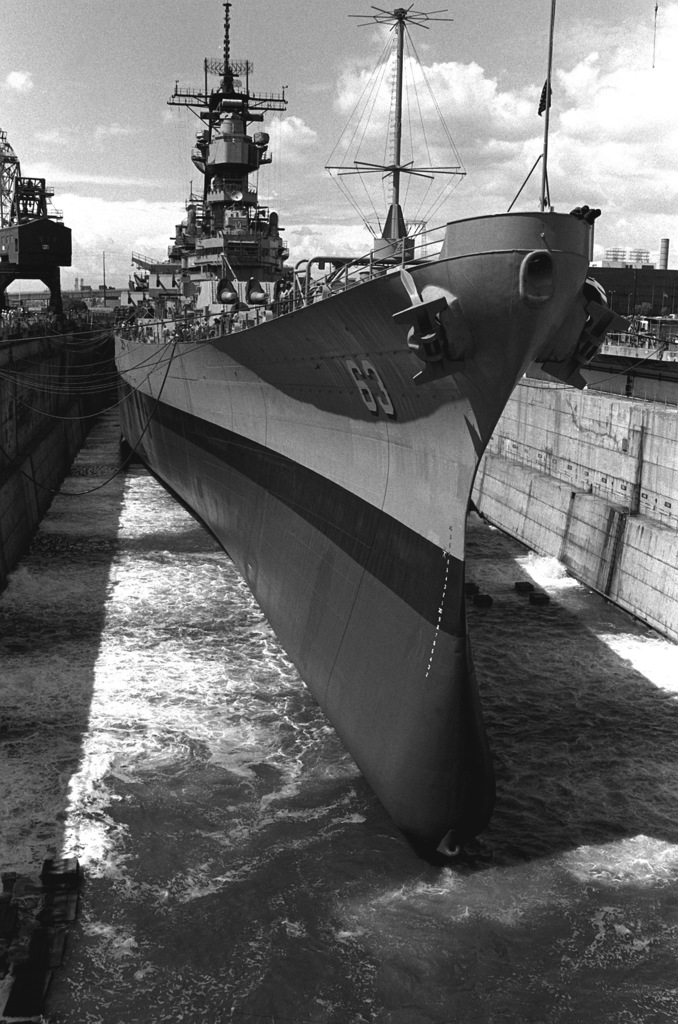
(545, 199)
(227, 38)
(400, 14)
(395, 228)
(399, 19)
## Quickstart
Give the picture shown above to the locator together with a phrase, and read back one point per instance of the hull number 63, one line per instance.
(371, 387)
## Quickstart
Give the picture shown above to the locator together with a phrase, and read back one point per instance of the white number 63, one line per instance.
(370, 394)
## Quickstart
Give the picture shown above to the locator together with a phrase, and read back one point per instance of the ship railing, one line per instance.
(313, 281)
(152, 264)
(339, 273)
(643, 346)
(187, 329)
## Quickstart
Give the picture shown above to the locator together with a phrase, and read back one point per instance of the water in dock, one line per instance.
(237, 867)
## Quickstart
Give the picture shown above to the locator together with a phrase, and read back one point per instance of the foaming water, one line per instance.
(237, 866)
(647, 652)
(189, 681)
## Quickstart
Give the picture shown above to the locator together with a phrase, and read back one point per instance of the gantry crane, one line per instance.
(34, 243)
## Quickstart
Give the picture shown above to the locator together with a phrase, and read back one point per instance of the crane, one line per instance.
(34, 243)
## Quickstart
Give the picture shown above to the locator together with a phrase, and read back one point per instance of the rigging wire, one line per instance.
(97, 381)
(422, 126)
(560, 386)
(382, 63)
(128, 457)
(20, 338)
(351, 141)
(74, 347)
(408, 106)
(152, 360)
(360, 117)
(364, 120)
(454, 180)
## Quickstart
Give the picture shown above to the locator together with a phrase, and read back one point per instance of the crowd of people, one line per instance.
(195, 328)
(181, 330)
(17, 322)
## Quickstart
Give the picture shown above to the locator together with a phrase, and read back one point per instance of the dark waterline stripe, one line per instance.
(419, 572)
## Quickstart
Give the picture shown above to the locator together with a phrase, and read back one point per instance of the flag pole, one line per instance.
(545, 198)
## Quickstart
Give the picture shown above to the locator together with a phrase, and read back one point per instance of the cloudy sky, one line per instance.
(84, 87)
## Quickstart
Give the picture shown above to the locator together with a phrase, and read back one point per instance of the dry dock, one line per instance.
(237, 868)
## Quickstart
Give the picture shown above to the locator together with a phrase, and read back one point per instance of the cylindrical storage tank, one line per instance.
(664, 254)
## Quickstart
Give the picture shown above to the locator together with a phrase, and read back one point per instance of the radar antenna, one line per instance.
(399, 19)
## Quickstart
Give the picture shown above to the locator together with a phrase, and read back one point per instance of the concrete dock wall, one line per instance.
(44, 418)
(646, 577)
(28, 485)
(592, 480)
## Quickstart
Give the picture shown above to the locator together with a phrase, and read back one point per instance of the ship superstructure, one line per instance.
(228, 254)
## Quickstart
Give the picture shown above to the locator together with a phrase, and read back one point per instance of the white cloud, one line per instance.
(616, 139)
(307, 240)
(19, 81)
(291, 139)
(51, 138)
(119, 228)
(463, 94)
(62, 176)
(107, 131)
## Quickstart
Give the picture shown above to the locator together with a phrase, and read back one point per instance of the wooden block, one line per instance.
(29, 988)
(47, 945)
(8, 915)
(60, 873)
(59, 908)
(8, 880)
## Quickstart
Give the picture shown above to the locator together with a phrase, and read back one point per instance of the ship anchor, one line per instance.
(429, 338)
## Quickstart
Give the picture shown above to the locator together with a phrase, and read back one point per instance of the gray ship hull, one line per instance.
(353, 597)
(339, 485)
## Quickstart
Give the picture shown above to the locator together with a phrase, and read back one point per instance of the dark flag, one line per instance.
(542, 99)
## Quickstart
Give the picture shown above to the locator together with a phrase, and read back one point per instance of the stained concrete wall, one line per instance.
(592, 480)
(28, 485)
(646, 574)
(41, 430)
(591, 540)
